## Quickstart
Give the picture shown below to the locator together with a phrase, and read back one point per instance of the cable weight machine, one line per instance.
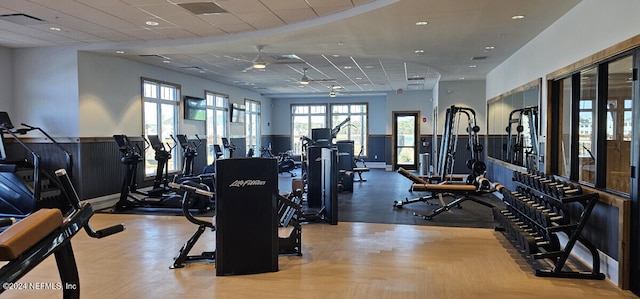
(521, 147)
(449, 143)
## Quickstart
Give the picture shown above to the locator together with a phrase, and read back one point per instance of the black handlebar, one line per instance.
(74, 200)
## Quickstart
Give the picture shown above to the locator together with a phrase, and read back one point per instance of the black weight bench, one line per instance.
(462, 192)
(360, 170)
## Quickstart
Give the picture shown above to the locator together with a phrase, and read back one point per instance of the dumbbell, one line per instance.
(574, 190)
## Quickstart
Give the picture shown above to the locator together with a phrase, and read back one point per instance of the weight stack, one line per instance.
(246, 221)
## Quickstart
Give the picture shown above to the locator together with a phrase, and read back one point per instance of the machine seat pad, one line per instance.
(29, 231)
(444, 187)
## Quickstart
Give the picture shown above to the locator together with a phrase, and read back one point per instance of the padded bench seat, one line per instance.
(29, 231)
(444, 187)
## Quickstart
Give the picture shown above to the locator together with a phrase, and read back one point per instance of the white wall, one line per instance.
(110, 95)
(410, 101)
(6, 81)
(45, 89)
(281, 111)
(463, 93)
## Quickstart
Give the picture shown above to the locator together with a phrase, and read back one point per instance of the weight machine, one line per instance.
(449, 143)
(461, 189)
(522, 145)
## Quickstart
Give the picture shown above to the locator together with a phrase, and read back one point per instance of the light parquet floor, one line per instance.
(348, 260)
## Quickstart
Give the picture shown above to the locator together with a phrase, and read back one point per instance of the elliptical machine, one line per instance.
(130, 196)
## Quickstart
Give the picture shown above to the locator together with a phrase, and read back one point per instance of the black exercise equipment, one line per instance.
(449, 143)
(25, 185)
(29, 242)
(162, 156)
(459, 191)
(189, 152)
(130, 196)
(537, 211)
(228, 146)
(522, 145)
(289, 217)
(246, 216)
(189, 193)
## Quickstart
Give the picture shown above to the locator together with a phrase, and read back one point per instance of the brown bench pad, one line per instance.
(444, 187)
(414, 178)
(23, 235)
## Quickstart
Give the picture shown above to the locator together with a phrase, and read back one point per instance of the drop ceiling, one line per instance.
(352, 46)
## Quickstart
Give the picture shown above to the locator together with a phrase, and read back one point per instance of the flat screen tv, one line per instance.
(195, 108)
(237, 113)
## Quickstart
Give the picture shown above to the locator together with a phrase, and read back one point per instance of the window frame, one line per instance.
(296, 145)
(173, 163)
(213, 109)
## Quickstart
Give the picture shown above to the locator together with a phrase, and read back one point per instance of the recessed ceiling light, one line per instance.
(335, 55)
(166, 61)
(119, 52)
(202, 72)
(358, 78)
(461, 78)
(54, 29)
(473, 65)
(419, 51)
(489, 48)
(340, 44)
(347, 67)
(517, 17)
(152, 23)
(369, 67)
(422, 23)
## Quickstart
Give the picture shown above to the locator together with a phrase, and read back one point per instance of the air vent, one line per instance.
(479, 57)
(416, 79)
(202, 8)
(22, 19)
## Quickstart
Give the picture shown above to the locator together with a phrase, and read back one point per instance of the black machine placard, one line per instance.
(246, 216)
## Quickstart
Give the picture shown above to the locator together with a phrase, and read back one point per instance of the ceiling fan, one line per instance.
(261, 61)
(306, 80)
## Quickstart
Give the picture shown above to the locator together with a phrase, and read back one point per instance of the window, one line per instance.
(252, 124)
(217, 111)
(594, 129)
(160, 114)
(303, 119)
(355, 129)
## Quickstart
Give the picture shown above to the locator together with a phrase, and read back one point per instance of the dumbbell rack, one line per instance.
(536, 212)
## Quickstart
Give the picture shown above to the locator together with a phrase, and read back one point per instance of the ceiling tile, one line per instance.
(285, 4)
(242, 6)
(291, 16)
(261, 20)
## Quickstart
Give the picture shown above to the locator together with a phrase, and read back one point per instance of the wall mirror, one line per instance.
(513, 125)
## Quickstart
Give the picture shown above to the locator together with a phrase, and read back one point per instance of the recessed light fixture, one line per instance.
(422, 23)
(167, 61)
(461, 78)
(54, 29)
(152, 23)
(489, 48)
(419, 51)
(348, 67)
(517, 17)
(119, 52)
(340, 44)
(369, 67)
(473, 66)
(358, 78)
(335, 55)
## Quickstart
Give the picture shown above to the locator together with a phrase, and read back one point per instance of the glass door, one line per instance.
(405, 136)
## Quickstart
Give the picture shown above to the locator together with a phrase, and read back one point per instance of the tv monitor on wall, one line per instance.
(237, 113)
(195, 108)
